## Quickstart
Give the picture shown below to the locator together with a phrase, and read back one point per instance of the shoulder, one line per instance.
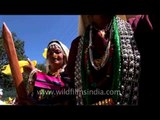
(140, 21)
(74, 44)
(76, 40)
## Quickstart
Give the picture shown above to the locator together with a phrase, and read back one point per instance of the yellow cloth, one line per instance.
(7, 70)
(45, 53)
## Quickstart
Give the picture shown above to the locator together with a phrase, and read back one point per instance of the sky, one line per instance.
(38, 30)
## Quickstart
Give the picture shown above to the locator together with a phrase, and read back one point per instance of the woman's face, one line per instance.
(55, 57)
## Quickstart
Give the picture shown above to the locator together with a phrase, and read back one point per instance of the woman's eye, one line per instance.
(56, 51)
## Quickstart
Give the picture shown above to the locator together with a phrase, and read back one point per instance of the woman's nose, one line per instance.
(54, 55)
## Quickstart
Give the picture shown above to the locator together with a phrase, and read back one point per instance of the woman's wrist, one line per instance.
(31, 80)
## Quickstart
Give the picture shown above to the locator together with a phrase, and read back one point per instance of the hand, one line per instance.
(28, 68)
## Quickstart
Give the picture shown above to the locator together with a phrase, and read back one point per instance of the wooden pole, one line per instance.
(13, 61)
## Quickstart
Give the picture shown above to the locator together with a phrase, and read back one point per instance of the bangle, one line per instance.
(30, 80)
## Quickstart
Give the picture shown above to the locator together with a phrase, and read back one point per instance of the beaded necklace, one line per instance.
(106, 55)
(131, 68)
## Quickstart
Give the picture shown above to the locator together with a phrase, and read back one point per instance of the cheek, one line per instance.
(61, 56)
(61, 59)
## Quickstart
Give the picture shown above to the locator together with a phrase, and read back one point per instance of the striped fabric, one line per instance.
(48, 82)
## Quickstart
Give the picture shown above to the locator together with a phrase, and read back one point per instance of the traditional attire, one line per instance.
(107, 70)
(49, 89)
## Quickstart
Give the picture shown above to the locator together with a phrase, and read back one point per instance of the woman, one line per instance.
(47, 88)
(108, 59)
